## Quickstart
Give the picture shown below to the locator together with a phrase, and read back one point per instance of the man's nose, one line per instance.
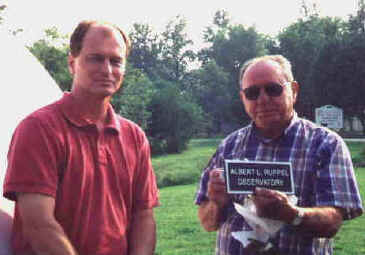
(107, 66)
(263, 96)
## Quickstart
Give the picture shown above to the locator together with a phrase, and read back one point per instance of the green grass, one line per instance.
(357, 153)
(179, 231)
(184, 168)
(178, 228)
(356, 148)
(351, 238)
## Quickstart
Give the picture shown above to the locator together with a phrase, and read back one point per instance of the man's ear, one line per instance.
(241, 95)
(295, 89)
(71, 64)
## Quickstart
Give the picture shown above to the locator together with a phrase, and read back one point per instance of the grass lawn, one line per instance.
(184, 168)
(179, 231)
(351, 238)
(356, 148)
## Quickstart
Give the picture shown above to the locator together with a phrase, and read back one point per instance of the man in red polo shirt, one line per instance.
(80, 174)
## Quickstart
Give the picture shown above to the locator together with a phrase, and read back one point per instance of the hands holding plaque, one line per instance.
(269, 203)
(217, 188)
(274, 205)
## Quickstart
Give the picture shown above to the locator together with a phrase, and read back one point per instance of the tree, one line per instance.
(301, 43)
(133, 99)
(340, 71)
(164, 59)
(341, 68)
(356, 23)
(162, 56)
(309, 9)
(2, 8)
(175, 55)
(210, 89)
(52, 52)
(221, 23)
(231, 46)
(145, 51)
(174, 120)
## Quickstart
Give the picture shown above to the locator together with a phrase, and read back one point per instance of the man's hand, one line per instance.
(217, 192)
(210, 211)
(317, 221)
(274, 205)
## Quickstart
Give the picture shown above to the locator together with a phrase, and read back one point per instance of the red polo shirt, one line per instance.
(98, 178)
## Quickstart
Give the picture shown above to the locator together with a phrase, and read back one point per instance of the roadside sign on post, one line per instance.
(330, 116)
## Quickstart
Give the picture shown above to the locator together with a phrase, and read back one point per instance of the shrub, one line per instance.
(174, 119)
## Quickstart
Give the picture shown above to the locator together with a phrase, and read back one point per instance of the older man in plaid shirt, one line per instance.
(324, 179)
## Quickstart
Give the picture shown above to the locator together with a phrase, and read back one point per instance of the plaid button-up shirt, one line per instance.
(323, 176)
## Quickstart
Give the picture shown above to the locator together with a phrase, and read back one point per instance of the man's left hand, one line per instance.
(273, 205)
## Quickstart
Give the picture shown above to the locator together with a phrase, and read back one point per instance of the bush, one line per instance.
(132, 99)
(174, 119)
(158, 146)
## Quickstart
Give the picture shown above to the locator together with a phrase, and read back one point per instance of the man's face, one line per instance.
(271, 114)
(99, 68)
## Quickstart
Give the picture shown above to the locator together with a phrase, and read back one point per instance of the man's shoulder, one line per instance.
(47, 111)
(128, 124)
(318, 132)
(239, 133)
(130, 128)
(236, 136)
(47, 114)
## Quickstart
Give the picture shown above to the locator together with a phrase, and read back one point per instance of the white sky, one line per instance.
(269, 16)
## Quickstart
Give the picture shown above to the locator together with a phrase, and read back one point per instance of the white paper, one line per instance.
(263, 228)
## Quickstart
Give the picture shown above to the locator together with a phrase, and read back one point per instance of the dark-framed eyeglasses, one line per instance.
(271, 89)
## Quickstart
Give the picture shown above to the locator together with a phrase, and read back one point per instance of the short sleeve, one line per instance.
(146, 191)
(202, 191)
(337, 184)
(32, 161)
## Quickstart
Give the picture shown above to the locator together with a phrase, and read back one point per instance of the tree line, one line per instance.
(175, 93)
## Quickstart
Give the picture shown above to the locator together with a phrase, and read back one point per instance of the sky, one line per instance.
(269, 16)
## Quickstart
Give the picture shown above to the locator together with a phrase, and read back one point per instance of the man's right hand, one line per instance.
(210, 211)
(217, 192)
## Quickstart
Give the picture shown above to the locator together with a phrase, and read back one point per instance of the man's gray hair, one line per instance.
(281, 60)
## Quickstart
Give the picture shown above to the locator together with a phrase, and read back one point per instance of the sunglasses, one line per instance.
(272, 90)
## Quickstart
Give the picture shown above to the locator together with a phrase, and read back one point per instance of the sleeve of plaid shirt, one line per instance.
(336, 182)
(216, 161)
(202, 191)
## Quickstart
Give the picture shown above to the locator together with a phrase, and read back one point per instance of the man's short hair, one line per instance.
(281, 60)
(79, 33)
